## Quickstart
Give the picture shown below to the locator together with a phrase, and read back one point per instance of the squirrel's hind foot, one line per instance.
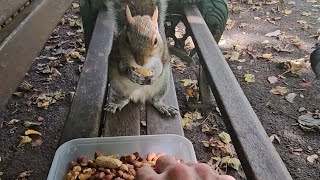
(166, 109)
(114, 106)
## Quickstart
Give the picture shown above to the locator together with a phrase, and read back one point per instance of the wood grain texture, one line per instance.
(259, 158)
(20, 48)
(123, 123)
(160, 124)
(9, 7)
(84, 117)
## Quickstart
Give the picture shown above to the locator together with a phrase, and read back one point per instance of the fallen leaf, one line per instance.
(75, 54)
(24, 140)
(296, 66)
(75, 5)
(25, 86)
(249, 78)
(306, 13)
(234, 56)
(24, 174)
(290, 97)
(308, 123)
(29, 123)
(301, 109)
(274, 33)
(305, 84)
(13, 121)
(257, 18)
(230, 23)
(189, 118)
(279, 90)
(225, 137)
(287, 11)
(234, 163)
(37, 142)
(188, 82)
(30, 131)
(18, 94)
(265, 42)
(268, 56)
(312, 158)
(282, 48)
(205, 128)
(272, 79)
(274, 137)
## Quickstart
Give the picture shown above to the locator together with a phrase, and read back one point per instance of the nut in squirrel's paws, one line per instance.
(167, 110)
(140, 76)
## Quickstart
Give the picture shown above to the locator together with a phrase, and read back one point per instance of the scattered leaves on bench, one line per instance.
(44, 100)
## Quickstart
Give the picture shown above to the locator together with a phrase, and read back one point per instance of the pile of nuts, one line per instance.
(110, 167)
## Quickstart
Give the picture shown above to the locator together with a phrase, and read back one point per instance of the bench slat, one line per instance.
(84, 117)
(123, 123)
(258, 156)
(159, 124)
(9, 7)
(29, 40)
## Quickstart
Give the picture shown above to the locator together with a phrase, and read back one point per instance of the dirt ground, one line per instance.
(277, 115)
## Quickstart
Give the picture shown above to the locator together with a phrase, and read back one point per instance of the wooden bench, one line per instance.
(87, 119)
(25, 26)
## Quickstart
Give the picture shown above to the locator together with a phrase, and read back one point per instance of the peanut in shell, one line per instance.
(108, 162)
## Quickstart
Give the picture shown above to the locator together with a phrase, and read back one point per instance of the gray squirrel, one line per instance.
(139, 68)
(315, 61)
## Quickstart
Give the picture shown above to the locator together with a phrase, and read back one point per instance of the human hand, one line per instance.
(167, 168)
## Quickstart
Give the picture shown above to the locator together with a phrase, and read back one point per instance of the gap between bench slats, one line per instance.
(259, 158)
(84, 117)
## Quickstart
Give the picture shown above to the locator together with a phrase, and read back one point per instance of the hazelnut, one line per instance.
(130, 158)
(73, 164)
(151, 156)
(83, 160)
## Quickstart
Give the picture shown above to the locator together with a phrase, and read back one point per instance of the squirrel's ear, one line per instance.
(155, 15)
(128, 14)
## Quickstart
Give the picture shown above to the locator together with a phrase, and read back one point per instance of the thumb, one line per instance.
(164, 162)
(145, 172)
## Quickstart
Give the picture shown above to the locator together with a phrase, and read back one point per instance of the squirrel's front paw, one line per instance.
(166, 109)
(138, 78)
(113, 107)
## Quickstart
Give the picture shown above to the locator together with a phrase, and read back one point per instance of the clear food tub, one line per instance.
(175, 145)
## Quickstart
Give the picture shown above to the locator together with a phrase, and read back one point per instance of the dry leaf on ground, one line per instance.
(290, 97)
(312, 158)
(274, 33)
(272, 79)
(225, 137)
(24, 140)
(274, 137)
(249, 78)
(279, 90)
(30, 131)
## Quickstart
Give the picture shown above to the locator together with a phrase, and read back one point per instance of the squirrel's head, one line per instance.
(142, 36)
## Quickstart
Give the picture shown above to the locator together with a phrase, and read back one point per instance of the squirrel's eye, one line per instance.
(155, 41)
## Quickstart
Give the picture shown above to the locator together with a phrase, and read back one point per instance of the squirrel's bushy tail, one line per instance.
(137, 7)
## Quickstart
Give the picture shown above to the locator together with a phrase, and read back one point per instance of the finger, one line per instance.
(164, 162)
(204, 171)
(146, 172)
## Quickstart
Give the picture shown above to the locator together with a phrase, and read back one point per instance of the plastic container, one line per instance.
(175, 145)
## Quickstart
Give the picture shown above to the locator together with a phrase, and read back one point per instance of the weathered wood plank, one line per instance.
(123, 123)
(84, 117)
(259, 158)
(9, 7)
(20, 48)
(160, 124)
